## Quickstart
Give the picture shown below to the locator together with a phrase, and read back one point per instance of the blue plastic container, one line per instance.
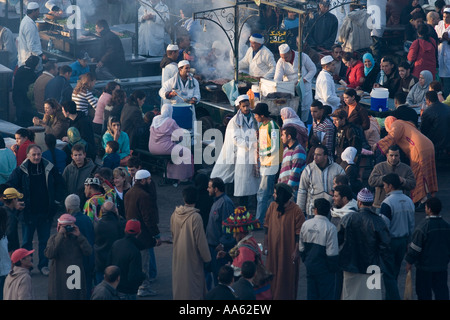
(379, 99)
(182, 114)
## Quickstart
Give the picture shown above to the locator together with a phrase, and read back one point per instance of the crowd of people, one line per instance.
(305, 170)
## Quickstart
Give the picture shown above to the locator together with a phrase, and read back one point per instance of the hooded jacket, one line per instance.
(74, 177)
(354, 33)
(141, 204)
(18, 285)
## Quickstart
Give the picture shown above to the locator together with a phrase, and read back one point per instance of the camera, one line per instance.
(69, 228)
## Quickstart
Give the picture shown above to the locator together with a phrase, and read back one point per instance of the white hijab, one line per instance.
(166, 113)
(348, 155)
(290, 116)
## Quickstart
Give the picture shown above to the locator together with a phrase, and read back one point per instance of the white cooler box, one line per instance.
(269, 86)
(275, 105)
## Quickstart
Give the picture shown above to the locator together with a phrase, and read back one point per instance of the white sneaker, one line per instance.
(146, 293)
(45, 271)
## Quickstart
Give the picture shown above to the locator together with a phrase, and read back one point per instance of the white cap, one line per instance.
(447, 10)
(172, 47)
(32, 6)
(142, 174)
(241, 98)
(326, 60)
(256, 37)
(183, 63)
(49, 5)
(284, 48)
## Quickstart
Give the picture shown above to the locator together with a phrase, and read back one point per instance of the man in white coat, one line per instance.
(152, 34)
(287, 70)
(182, 87)
(169, 63)
(325, 87)
(442, 30)
(237, 160)
(28, 41)
(259, 60)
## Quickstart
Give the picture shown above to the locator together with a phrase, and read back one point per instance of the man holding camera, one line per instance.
(66, 250)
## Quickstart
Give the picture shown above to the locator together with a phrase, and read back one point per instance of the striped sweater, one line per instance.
(83, 100)
(294, 161)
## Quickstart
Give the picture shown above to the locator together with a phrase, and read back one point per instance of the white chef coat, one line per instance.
(443, 51)
(326, 90)
(151, 32)
(261, 65)
(184, 91)
(28, 41)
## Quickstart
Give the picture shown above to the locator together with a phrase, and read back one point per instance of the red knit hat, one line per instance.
(240, 221)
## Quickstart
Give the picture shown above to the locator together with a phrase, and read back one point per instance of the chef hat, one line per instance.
(242, 97)
(284, 48)
(256, 37)
(49, 5)
(326, 60)
(182, 63)
(32, 6)
(172, 47)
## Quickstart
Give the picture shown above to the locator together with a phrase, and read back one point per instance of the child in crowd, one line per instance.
(112, 159)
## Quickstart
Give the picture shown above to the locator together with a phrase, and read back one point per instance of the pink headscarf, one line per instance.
(388, 123)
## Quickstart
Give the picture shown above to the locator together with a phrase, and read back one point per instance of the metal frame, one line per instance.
(233, 32)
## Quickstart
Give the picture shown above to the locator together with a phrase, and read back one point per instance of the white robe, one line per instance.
(261, 65)
(326, 90)
(286, 71)
(238, 157)
(151, 33)
(443, 51)
(28, 41)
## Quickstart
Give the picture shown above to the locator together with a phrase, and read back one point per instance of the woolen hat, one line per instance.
(12, 193)
(32, 6)
(365, 195)
(262, 109)
(326, 60)
(284, 48)
(142, 174)
(66, 219)
(240, 221)
(133, 226)
(19, 254)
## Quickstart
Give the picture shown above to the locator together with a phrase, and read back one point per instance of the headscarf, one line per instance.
(388, 122)
(74, 137)
(417, 91)
(166, 113)
(349, 154)
(370, 57)
(291, 117)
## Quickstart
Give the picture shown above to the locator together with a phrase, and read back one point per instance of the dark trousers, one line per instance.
(398, 251)
(428, 282)
(321, 286)
(42, 226)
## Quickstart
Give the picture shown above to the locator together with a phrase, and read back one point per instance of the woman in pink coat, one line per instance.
(181, 167)
(422, 52)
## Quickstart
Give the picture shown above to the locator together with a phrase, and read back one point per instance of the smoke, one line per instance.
(214, 53)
